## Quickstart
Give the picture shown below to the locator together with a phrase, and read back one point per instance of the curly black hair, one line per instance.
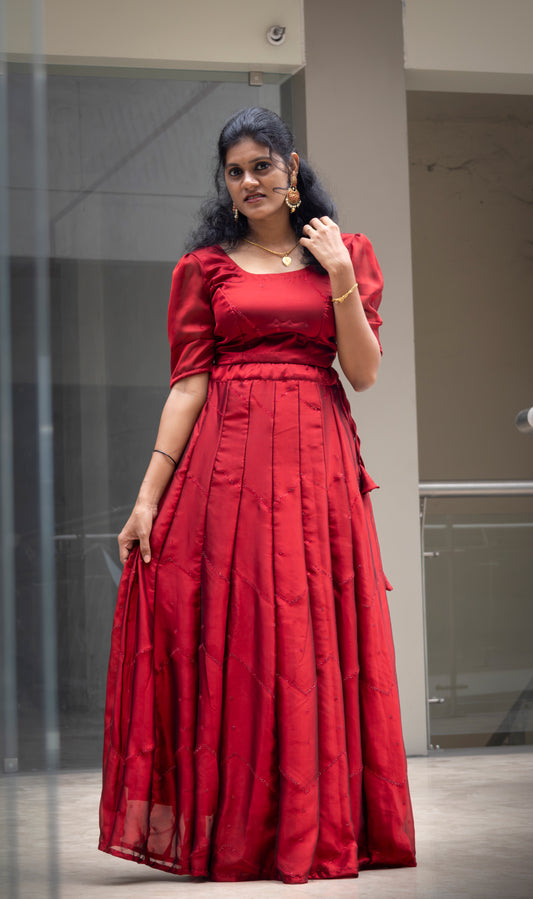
(217, 223)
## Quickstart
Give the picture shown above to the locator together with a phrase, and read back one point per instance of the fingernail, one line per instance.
(147, 558)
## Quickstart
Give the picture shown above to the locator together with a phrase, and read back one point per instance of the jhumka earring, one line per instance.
(235, 212)
(293, 199)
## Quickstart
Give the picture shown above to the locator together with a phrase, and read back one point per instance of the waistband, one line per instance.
(277, 371)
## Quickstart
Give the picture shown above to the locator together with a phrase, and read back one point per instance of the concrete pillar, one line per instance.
(357, 140)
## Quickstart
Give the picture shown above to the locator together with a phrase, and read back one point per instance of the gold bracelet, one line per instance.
(347, 294)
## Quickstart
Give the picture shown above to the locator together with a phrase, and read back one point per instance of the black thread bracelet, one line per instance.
(163, 453)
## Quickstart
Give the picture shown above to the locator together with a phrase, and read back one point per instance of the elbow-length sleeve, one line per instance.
(190, 321)
(369, 278)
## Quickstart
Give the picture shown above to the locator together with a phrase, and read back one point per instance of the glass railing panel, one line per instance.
(478, 561)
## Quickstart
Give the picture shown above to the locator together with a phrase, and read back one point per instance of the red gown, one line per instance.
(252, 721)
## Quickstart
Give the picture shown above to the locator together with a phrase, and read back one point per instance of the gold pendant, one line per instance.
(286, 260)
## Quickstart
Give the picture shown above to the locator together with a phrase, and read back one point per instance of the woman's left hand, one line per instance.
(323, 238)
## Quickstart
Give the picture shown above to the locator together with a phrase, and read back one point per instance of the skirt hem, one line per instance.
(325, 873)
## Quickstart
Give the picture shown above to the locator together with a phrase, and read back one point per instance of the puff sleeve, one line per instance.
(190, 321)
(370, 279)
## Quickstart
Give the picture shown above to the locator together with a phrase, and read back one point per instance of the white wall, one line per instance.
(162, 33)
(357, 139)
(469, 45)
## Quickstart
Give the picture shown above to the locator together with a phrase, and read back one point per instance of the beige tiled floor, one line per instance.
(474, 828)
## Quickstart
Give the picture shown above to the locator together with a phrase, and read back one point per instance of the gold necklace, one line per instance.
(285, 257)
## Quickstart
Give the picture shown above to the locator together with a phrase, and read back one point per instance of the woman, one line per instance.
(252, 722)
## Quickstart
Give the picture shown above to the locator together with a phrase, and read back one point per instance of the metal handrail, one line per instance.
(475, 488)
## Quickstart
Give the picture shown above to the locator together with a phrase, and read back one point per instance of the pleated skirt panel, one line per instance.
(252, 719)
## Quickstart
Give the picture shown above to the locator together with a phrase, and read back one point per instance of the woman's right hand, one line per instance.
(137, 530)
(180, 412)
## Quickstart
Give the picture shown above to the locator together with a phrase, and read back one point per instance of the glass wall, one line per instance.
(478, 558)
(104, 174)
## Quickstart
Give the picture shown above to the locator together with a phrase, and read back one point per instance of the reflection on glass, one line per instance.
(127, 157)
(478, 576)
(9, 822)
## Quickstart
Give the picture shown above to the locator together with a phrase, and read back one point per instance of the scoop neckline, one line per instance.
(259, 274)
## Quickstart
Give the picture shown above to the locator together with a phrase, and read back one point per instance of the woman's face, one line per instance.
(257, 180)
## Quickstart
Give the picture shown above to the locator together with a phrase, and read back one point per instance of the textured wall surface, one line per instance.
(472, 231)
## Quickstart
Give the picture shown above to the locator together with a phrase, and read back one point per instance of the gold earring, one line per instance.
(293, 199)
(235, 212)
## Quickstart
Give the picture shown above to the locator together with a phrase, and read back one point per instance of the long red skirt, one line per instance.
(252, 721)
